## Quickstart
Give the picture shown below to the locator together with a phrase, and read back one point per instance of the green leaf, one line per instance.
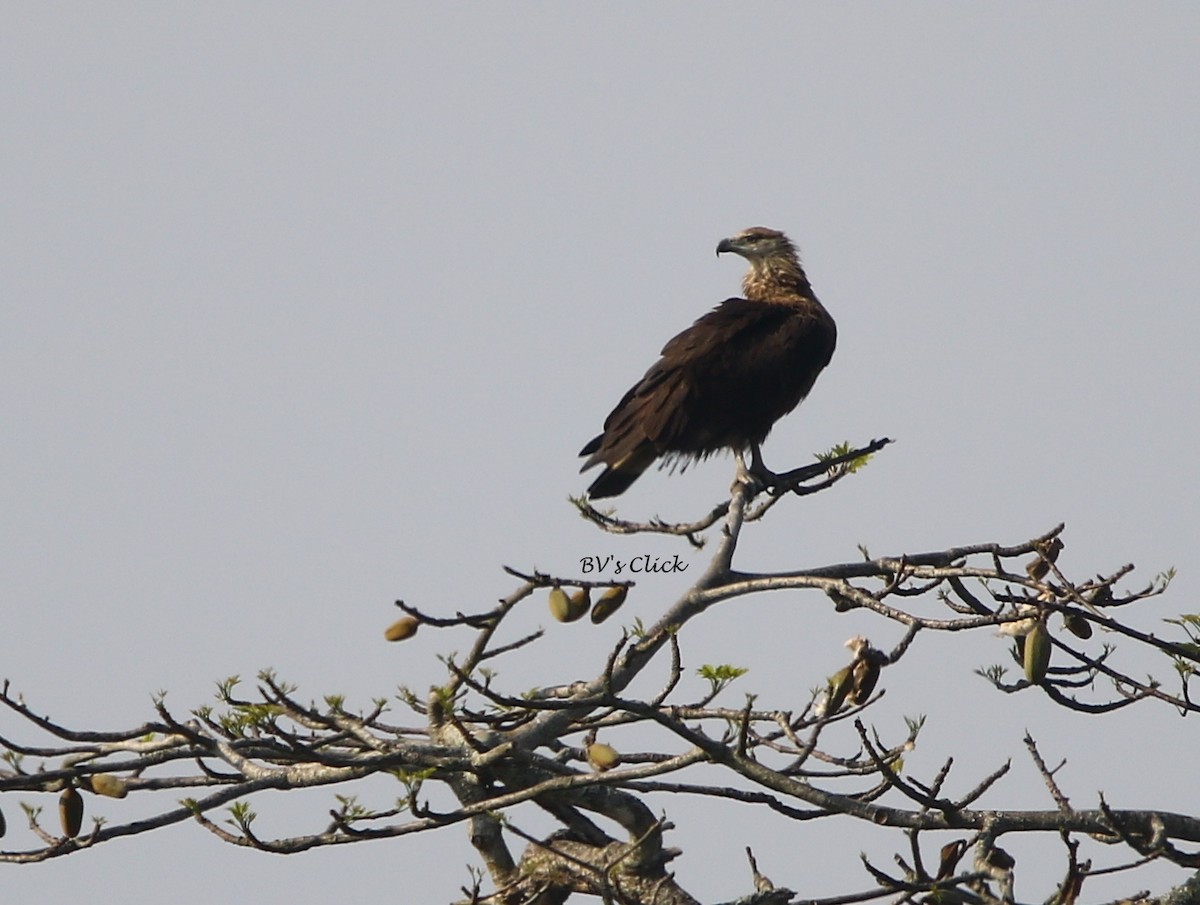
(722, 673)
(842, 449)
(720, 676)
(240, 815)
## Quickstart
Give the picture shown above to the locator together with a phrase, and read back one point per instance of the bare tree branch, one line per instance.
(556, 747)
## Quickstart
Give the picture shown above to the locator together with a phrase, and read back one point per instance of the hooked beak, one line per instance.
(725, 245)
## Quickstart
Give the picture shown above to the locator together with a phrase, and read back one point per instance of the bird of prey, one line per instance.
(724, 381)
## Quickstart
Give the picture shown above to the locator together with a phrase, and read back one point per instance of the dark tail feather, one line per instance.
(612, 482)
(617, 477)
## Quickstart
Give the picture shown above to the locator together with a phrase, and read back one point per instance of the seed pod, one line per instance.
(402, 628)
(560, 604)
(108, 785)
(1037, 653)
(865, 675)
(841, 603)
(1077, 625)
(995, 862)
(70, 811)
(1019, 627)
(580, 603)
(602, 757)
(1039, 567)
(610, 601)
(840, 684)
(949, 857)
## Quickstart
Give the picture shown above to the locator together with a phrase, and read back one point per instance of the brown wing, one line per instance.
(721, 383)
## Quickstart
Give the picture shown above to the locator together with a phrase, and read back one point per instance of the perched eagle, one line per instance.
(724, 381)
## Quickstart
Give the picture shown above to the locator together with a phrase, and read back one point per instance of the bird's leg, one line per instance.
(757, 477)
(743, 475)
(759, 471)
(740, 474)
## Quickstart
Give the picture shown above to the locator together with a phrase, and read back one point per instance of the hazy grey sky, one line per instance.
(306, 307)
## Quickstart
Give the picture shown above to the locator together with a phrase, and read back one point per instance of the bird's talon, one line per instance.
(753, 483)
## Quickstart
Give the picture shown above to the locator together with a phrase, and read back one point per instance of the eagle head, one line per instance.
(775, 274)
(758, 242)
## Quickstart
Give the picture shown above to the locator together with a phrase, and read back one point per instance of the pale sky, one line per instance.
(305, 308)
